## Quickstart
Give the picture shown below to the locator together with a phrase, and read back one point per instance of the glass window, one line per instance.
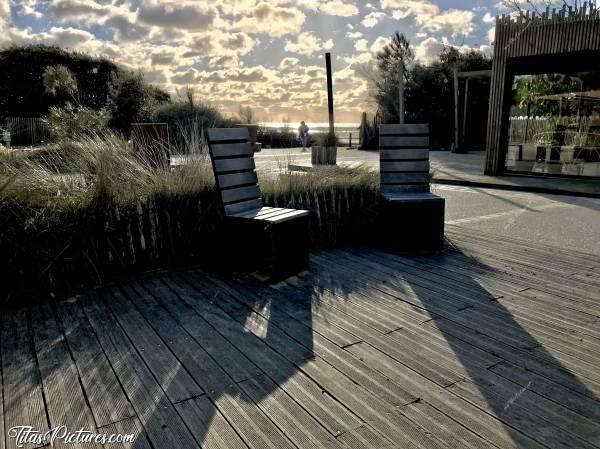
(554, 124)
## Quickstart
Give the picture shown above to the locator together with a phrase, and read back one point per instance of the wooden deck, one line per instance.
(494, 344)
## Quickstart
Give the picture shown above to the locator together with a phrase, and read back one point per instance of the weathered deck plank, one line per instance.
(21, 379)
(492, 344)
(65, 400)
(161, 422)
(105, 395)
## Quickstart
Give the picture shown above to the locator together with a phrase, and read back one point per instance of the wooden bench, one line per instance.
(274, 239)
(413, 217)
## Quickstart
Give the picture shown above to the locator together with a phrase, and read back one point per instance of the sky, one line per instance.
(266, 54)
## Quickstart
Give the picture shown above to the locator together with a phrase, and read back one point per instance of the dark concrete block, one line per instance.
(413, 226)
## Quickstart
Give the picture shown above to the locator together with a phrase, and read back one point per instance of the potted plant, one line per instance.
(324, 149)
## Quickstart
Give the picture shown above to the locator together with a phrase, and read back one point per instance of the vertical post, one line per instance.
(330, 92)
(401, 113)
(464, 124)
(456, 144)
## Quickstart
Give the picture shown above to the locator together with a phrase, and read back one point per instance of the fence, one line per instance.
(26, 131)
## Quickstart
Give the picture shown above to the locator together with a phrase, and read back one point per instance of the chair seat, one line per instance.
(272, 214)
(411, 197)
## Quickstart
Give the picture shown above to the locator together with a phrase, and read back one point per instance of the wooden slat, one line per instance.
(23, 398)
(391, 189)
(404, 166)
(231, 150)
(400, 141)
(385, 130)
(240, 194)
(236, 164)
(228, 357)
(301, 428)
(2, 434)
(237, 179)
(163, 425)
(231, 209)
(405, 178)
(287, 216)
(167, 369)
(208, 424)
(105, 395)
(65, 399)
(127, 426)
(404, 154)
(225, 134)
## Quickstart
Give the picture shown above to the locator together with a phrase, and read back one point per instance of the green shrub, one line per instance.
(133, 101)
(275, 138)
(186, 122)
(72, 123)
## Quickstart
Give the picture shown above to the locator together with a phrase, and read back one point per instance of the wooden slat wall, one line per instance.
(233, 164)
(404, 158)
(552, 32)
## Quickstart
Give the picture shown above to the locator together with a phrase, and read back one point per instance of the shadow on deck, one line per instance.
(491, 344)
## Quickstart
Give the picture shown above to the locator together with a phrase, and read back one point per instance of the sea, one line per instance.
(343, 130)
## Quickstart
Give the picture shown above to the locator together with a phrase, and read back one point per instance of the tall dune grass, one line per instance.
(85, 212)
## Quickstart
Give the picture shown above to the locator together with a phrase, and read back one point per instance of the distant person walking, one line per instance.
(303, 134)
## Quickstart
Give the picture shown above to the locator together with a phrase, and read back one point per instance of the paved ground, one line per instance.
(490, 345)
(447, 168)
(564, 221)
(557, 220)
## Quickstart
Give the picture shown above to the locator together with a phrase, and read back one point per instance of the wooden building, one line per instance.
(558, 42)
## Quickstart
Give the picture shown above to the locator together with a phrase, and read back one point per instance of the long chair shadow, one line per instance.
(235, 344)
(525, 385)
(222, 315)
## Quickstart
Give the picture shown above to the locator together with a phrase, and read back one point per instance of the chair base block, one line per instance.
(277, 250)
(414, 226)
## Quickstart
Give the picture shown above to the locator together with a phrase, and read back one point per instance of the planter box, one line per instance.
(324, 155)
(150, 142)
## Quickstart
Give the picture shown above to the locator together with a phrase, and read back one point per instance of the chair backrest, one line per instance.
(404, 158)
(233, 164)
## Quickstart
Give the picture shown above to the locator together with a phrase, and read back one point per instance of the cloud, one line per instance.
(488, 18)
(338, 8)
(306, 44)
(361, 45)
(379, 43)
(64, 37)
(288, 63)
(28, 8)
(190, 16)
(372, 19)
(328, 45)
(272, 20)
(428, 16)
(428, 50)
(354, 34)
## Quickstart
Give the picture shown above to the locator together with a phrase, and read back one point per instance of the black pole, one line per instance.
(329, 92)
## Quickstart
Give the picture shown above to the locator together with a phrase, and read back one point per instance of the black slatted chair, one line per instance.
(274, 239)
(413, 216)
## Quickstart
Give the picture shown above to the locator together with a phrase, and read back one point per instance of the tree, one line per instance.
(386, 80)
(23, 91)
(133, 101)
(59, 79)
(429, 96)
